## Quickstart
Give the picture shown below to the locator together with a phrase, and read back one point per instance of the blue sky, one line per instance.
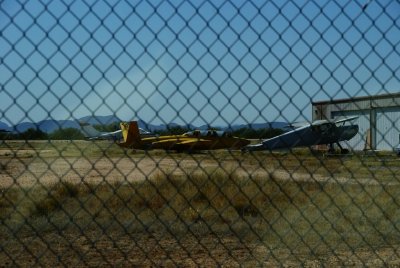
(199, 62)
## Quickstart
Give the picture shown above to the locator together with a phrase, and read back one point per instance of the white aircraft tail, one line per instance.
(89, 131)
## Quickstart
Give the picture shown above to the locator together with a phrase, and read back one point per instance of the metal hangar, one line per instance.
(378, 119)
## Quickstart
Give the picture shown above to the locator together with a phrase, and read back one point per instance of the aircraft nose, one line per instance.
(351, 132)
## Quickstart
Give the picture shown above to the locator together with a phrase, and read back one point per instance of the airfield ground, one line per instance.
(85, 203)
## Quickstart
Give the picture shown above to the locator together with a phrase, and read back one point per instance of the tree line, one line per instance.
(37, 134)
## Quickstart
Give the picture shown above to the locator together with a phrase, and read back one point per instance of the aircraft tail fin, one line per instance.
(130, 133)
(89, 131)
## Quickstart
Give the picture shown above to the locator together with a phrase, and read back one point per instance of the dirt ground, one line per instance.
(121, 245)
(22, 171)
(100, 249)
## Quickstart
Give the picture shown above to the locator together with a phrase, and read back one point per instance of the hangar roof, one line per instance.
(354, 99)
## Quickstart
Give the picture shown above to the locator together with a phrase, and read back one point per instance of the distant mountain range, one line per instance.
(49, 126)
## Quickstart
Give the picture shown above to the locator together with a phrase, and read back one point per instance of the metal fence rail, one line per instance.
(250, 67)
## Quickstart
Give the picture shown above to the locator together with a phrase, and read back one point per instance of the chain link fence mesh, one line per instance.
(248, 66)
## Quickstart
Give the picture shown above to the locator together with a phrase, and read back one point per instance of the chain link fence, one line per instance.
(250, 67)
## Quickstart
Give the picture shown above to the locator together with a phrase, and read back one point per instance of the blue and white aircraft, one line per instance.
(315, 133)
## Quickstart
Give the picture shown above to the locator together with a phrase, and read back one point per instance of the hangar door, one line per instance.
(358, 142)
(387, 128)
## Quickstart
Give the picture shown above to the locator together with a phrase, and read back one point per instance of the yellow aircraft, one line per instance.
(190, 141)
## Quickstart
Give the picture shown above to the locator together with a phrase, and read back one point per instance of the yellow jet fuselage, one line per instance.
(190, 141)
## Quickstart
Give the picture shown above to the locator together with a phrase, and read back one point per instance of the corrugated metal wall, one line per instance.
(387, 128)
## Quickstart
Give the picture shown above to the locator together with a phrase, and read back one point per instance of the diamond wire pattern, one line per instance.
(215, 45)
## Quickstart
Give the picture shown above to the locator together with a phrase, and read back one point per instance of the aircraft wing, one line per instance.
(194, 140)
(109, 134)
(183, 144)
(296, 125)
(337, 121)
(181, 141)
(345, 119)
(320, 122)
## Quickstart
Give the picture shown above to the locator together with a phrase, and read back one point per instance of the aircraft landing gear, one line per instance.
(331, 149)
(343, 150)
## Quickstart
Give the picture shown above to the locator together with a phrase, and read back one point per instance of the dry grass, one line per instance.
(220, 214)
(273, 211)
